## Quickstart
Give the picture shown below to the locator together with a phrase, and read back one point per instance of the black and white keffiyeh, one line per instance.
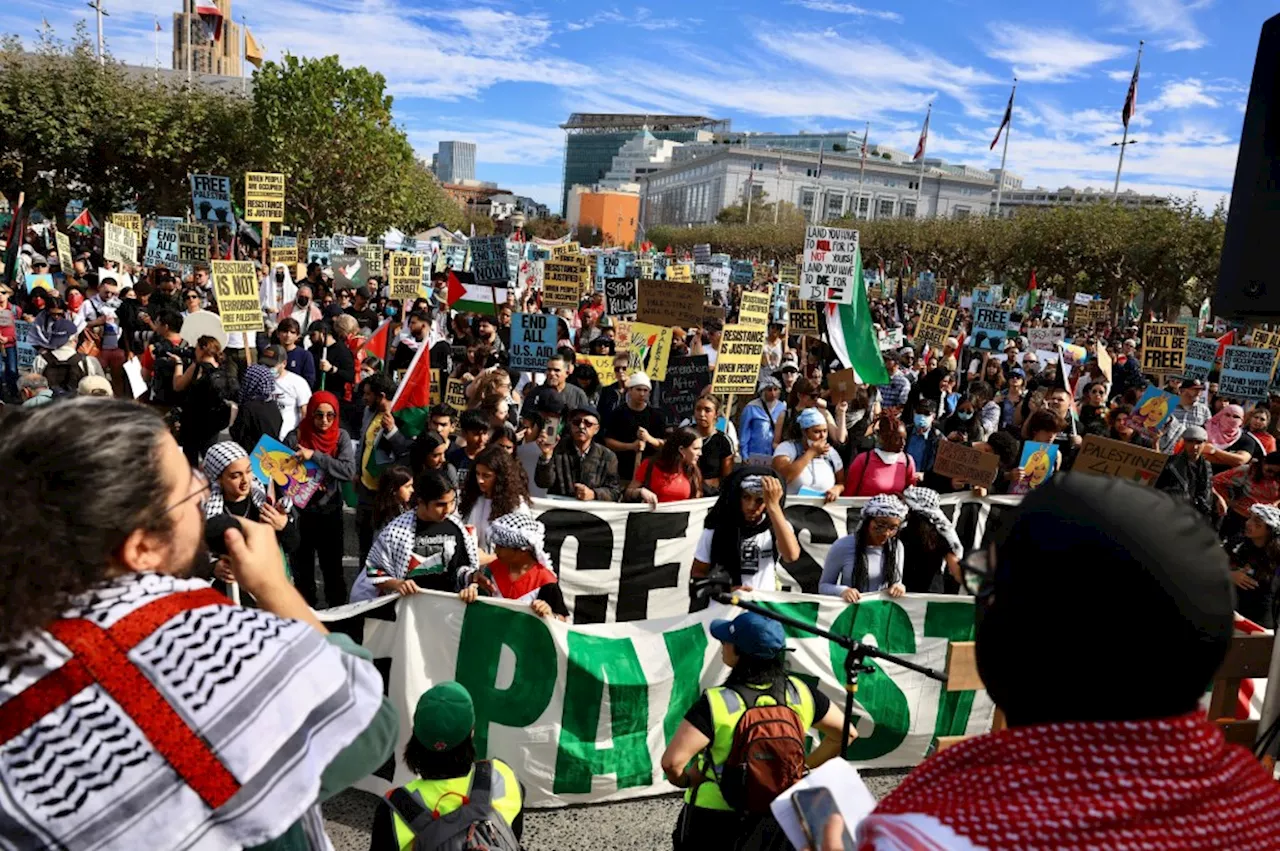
(519, 531)
(219, 457)
(389, 557)
(885, 505)
(925, 502)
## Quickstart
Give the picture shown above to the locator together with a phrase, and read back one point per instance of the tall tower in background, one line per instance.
(456, 162)
(214, 37)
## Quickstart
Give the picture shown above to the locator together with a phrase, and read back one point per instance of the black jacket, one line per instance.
(598, 470)
(1189, 479)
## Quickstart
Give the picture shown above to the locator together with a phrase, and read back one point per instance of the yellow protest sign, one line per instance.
(738, 364)
(650, 349)
(1164, 348)
(935, 325)
(754, 309)
(406, 274)
(602, 364)
(563, 282)
(64, 252)
(263, 196)
(789, 275)
(565, 249)
(1267, 340)
(437, 392)
(235, 286)
(681, 273)
(132, 221)
(455, 394)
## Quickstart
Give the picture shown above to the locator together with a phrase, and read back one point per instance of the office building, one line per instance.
(1018, 199)
(593, 140)
(455, 162)
(611, 213)
(643, 154)
(218, 56)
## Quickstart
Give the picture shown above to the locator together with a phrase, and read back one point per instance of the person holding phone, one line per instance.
(234, 490)
(575, 465)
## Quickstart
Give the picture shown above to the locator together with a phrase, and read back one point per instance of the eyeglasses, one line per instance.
(202, 492)
(325, 415)
(885, 525)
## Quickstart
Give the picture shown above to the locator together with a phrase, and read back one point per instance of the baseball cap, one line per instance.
(752, 634)
(1193, 384)
(605, 322)
(638, 379)
(444, 717)
(1195, 433)
(550, 403)
(272, 356)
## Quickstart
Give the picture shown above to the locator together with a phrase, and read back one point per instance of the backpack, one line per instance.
(64, 376)
(767, 754)
(474, 826)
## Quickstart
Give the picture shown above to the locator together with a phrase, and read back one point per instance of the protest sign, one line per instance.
(349, 271)
(965, 464)
(406, 275)
(1054, 309)
(1103, 357)
(119, 244)
(650, 348)
(132, 221)
(203, 323)
(565, 249)
(713, 315)
(935, 325)
(891, 340)
(1246, 372)
(1152, 411)
(26, 351)
(1202, 354)
(437, 388)
(533, 341)
(65, 260)
(1105, 457)
(272, 461)
(990, 328)
(702, 252)
(453, 256)
(1039, 462)
(738, 364)
(211, 199)
(613, 264)
(741, 272)
(1082, 299)
(284, 249)
(802, 321)
(669, 303)
(620, 297)
(829, 267)
(1045, 338)
(193, 244)
(1261, 339)
(371, 254)
(162, 248)
(489, 260)
(686, 378)
(644, 267)
(530, 277)
(754, 309)
(718, 278)
(235, 286)
(263, 196)
(318, 251)
(338, 244)
(680, 272)
(562, 283)
(789, 275)
(455, 394)
(1164, 348)
(843, 384)
(603, 365)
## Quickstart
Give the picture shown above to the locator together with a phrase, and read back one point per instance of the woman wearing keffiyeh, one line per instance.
(746, 535)
(257, 413)
(522, 570)
(929, 541)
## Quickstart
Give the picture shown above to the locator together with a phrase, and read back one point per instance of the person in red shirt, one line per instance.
(593, 309)
(672, 474)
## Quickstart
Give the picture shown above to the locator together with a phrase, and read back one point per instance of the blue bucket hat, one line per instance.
(752, 634)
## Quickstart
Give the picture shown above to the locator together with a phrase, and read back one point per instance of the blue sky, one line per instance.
(506, 74)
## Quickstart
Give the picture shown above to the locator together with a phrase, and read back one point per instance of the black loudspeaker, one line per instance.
(1249, 276)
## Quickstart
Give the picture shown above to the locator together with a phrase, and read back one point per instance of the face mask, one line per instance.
(964, 416)
(389, 310)
(279, 277)
(923, 421)
(303, 301)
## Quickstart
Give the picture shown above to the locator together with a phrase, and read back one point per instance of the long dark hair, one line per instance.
(510, 483)
(754, 671)
(668, 459)
(440, 765)
(386, 503)
(888, 563)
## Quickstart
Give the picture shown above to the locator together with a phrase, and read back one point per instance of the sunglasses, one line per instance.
(583, 423)
(325, 415)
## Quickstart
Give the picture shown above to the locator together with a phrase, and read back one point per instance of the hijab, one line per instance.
(324, 441)
(1225, 427)
(258, 384)
(729, 527)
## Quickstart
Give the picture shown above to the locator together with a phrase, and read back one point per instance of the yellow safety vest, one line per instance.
(445, 796)
(726, 708)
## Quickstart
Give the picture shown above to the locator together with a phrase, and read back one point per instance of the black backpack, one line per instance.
(64, 376)
(474, 826)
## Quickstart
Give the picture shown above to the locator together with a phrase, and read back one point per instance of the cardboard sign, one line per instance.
(489, 260)
(406, 274)
(754, 309)
(119, 244)
(371, 254)
(65, 260)
(829, 264)
(620, 296)
(1202, 354)
(349, 271)
(565, 249)
(934, 327)
(843, 384)
(669, 303)
(211, 199)
(686, 378)
(1045, 338)
(162, 248)
(533, 341)
(718, 278)
(132, 221)
(680, 273)
(713, 314)
(1164, 348)
(455, 394)
(650, 349)
(738, 364)
(284, 249)
(1246, 372)
(990, 328)
(966, 464)
(272, 461)
(235, 286)
(263, 196)
(1105, 457)
(1082, 299)
(193, 244)
(318, 251)
(1103, 358)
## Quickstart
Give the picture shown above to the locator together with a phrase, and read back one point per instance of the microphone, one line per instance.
(215, 529)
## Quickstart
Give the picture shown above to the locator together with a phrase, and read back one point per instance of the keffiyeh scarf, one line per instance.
(258, 384)
(156, 714)
(925, 502)
(1268, 514)
(389, 557)
(219, 457)
(519, 531)
(1163, 783)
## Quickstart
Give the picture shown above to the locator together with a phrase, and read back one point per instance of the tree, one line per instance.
(552, 227)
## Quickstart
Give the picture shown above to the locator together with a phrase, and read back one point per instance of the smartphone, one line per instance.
(815, 807)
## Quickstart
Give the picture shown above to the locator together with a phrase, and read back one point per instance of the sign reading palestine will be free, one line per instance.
(235, 287)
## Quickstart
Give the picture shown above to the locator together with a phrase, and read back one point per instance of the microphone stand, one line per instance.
(856, 653)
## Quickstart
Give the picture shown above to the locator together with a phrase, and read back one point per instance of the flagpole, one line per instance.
(778, 201)
(244, 55)
(1124, 142)
(1004, 154)
(862, 168)
(750, 183)
(924, 142)
(186, 37)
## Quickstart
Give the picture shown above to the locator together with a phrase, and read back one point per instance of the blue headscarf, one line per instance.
(258, 384)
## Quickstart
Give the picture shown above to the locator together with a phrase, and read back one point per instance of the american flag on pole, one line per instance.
(924, 136)
(1008, 116)
(1131, 99)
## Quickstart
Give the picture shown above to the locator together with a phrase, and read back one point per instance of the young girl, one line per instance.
(496, 485)
(672, 474)
(869, 558)
(1255, 556)
(394, 497)
(521, 569)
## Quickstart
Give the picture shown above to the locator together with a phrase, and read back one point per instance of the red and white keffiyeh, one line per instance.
(1162, 784)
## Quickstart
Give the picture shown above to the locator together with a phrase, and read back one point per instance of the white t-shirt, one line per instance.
(759, 560)
(819, 476)
(529, 454)
(479, 519)
(292, 394)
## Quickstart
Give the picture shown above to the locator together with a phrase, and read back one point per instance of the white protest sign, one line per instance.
(829, 264)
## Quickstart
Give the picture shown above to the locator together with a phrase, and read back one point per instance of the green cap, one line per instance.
(444, 717)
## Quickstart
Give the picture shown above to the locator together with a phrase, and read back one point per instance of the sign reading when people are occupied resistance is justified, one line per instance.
(263, 196)
(236, 287)
(829, 267)
(738, 364)
(1246, 372)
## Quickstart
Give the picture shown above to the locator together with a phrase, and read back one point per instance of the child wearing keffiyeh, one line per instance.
(522, 570)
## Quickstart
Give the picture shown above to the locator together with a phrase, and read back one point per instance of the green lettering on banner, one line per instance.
(593, 661)
(954, 622)
(878, 694)
(686, 648)
(805, 612)
(485, 631)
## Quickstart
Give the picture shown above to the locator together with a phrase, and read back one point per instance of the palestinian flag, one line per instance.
(850, 332)
(474, 298)
(1033, 291)
(376, 345)
(84, 223)
(411, 405)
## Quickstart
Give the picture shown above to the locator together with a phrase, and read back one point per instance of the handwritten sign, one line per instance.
(680, 272)
(669, 303)
(533, 341)
(738, 364)
(1246, 372)
(119, 244)
(406, 274)
(966, 464)
(263, 196)
(650, 349)
(1045, 339)
(1164, 348)
(1105, 457)
(686, 378)
(235, 286)
(829, 267)
(620, 298)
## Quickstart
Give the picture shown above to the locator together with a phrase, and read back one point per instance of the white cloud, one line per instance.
(1047, 55)
(1172, 21)
(837, 8)
(1120, 76)
(639, 16)
(1183, 94)
(497, 141)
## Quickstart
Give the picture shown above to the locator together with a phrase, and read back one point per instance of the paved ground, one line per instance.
(630, 826)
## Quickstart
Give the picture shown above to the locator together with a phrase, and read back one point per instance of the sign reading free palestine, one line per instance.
(584, 712)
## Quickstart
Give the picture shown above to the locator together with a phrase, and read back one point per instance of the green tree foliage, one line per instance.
(552, 227)
(1169, 255)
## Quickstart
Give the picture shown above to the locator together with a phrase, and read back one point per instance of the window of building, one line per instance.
(885, 208)
(807, 198)
(962, 212)
(908, 209)
(864, 205)
(835, 205)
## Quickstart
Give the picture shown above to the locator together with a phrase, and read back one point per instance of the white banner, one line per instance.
(583, 713)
